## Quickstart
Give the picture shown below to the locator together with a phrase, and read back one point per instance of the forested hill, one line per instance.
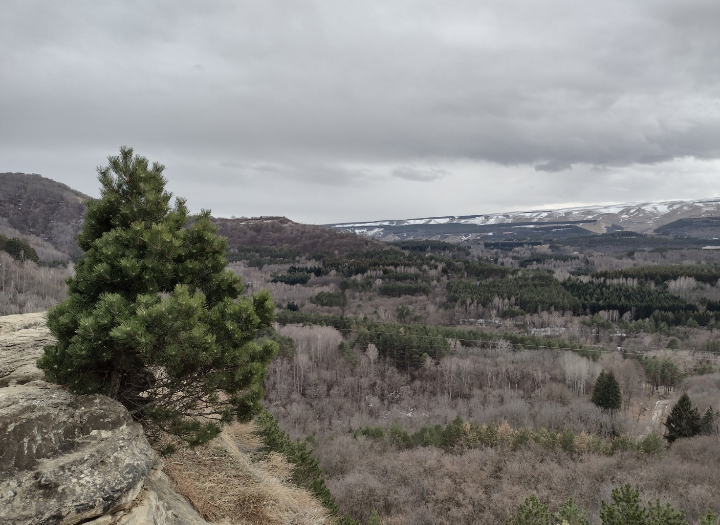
(278, 236)
(47, 213)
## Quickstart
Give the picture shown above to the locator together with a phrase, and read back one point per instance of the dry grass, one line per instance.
(226, 486)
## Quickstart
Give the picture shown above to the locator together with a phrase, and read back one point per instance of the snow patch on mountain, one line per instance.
(634, 216)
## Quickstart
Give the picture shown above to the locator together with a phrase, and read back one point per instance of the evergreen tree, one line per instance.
(571, 514)
(532, 512)
(708, 424)
(664, 514)
(606, 392)
(683, 421)
(153, 318)
(19, 249)
(625, 508)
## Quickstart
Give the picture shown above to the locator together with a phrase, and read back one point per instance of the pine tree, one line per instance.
(625, 508)
(531, 512)
(571, 514)
(659, 514)
(683, 420)
(153, 318)
(606, 392)
(708, 424)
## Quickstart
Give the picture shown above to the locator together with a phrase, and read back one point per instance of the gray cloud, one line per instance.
(315, 97)
(418, 175)
(553, 167)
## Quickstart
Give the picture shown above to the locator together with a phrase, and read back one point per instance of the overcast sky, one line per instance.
(345, 110)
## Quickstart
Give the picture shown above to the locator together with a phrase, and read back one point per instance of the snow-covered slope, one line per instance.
(641, 217)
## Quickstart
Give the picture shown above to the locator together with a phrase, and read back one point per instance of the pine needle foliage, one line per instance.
(153, 319)
(625, 508)
(606, 392)
(683, 421)
(709, 423)
(531, 512)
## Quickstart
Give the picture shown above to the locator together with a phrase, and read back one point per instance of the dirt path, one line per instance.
(657, 417)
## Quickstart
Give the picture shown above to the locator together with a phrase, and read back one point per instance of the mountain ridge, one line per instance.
(640, 217)
(49, 215)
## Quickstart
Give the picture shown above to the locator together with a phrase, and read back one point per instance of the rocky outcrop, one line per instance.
(67, 459)
(22, 338)
(158, 504)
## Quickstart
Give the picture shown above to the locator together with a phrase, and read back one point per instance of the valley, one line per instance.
(446, 382)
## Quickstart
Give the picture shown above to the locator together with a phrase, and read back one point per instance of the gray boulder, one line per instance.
(66, 458)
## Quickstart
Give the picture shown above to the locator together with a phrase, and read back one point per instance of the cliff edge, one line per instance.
(67, 459)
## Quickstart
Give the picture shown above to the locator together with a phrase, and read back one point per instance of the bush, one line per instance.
(652, 444)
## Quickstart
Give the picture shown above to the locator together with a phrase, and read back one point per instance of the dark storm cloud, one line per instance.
(339, 94)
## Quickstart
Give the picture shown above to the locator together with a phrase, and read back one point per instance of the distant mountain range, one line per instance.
(698, 219)
(49, 215)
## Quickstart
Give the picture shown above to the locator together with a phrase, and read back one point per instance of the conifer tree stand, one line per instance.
(153, 318)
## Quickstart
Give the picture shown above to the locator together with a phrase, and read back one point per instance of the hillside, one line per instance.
(46, 213)
(280, 234)
(49, 215)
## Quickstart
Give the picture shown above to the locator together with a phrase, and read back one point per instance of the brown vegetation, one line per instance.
(325, 395)
(280, 232)
(225, 484)
(42, 208)
(428, 486)
(26, 287)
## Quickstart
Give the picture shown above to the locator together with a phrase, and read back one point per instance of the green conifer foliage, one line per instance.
(571, 514)
(532, 512)
(709, 519)
(625, 508)
(153, 318)
(683, 421)
(606, 392)
(659, 514)
(708, 424)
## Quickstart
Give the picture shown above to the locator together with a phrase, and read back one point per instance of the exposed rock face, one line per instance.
(22, 339)
(67, 459)
(158, 504)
